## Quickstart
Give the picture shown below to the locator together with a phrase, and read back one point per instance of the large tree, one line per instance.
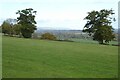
(99, 25)
(27, 21)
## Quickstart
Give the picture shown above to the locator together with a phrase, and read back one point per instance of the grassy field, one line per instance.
(89, 41)
(29, 58)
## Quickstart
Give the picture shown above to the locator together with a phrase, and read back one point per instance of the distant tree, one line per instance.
(48, 36)
(6, 28)
(27, 21)
(99, 25)
(11, 21)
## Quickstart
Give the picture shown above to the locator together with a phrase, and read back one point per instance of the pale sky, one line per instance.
(58, 14)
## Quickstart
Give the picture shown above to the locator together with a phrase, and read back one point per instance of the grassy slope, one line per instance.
(38, 58)
(92, 41)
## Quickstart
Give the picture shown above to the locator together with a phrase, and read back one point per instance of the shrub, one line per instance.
(48, 36)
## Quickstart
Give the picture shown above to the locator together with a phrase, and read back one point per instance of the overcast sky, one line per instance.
(58, 14)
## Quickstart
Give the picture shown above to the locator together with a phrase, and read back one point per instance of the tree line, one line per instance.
(24, 26)
(98, 25)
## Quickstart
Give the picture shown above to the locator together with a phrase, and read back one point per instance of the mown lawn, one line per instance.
(29, 58)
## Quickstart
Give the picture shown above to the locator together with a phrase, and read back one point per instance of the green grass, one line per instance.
(29, 58)
(89, 41)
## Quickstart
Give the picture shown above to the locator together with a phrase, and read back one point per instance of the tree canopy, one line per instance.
(10, 27)
(6, 27)
(99, 25)
(27, 21)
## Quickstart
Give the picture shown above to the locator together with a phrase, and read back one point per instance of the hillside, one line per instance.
(30, 58)
(63, 31)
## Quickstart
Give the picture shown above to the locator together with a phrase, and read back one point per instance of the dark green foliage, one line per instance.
(48, 36)
(26, 34)
(27, 20)
(0, 29)
(99, 25)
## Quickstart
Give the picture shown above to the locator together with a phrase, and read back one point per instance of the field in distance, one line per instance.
(30, 58)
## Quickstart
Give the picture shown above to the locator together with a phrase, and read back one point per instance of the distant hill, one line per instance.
(58, 31)
(64, 31)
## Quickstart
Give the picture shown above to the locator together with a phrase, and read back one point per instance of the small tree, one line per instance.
(48, 36)
(6, 28)
(99, 25)
(27, 21)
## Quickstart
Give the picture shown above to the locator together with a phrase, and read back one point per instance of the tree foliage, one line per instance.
(6, 28)
(99, 25)
(9, 27)
(27, 21)
(17, 29)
